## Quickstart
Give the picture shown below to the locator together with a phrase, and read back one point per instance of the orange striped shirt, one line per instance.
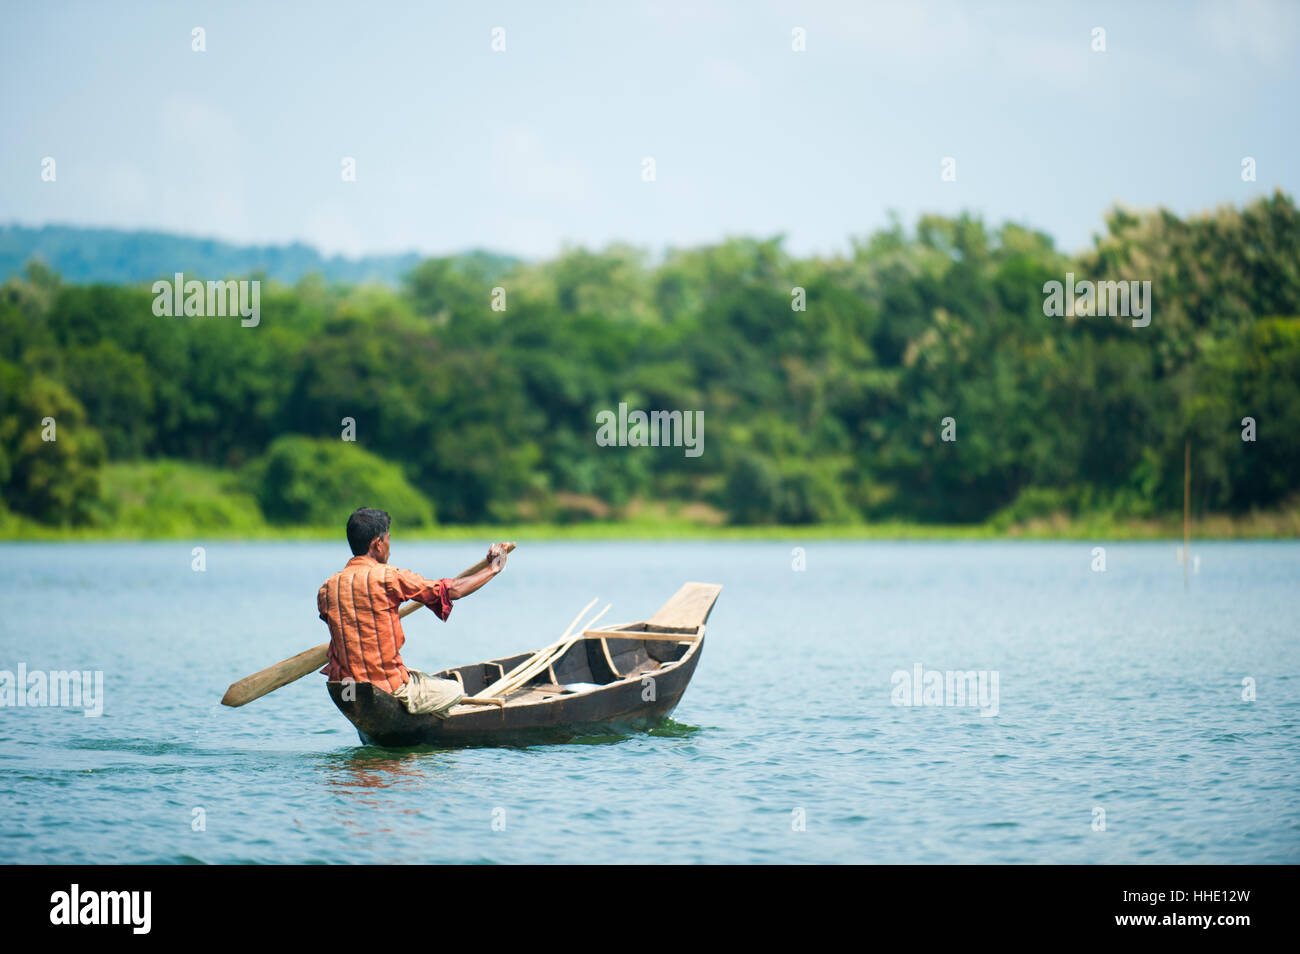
(360, 604)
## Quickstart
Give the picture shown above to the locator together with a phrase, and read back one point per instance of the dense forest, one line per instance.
(824, 382)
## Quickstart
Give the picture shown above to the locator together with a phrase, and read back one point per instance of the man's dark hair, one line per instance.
(365, 524)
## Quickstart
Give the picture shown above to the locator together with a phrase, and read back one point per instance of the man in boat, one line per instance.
(360, 604)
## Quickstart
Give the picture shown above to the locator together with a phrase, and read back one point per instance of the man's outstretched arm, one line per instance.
(438, 594)
(465, 585)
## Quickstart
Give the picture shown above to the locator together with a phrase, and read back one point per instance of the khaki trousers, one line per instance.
(429, 695)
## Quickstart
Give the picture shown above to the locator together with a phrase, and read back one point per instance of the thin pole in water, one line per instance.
(1187, 513)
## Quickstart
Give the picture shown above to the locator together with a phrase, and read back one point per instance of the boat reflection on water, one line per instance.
(367, 783)
(367, 767)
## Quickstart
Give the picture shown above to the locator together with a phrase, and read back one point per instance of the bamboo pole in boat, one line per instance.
(552, 657)
(530, 667)
(483, 693)
(539, 660)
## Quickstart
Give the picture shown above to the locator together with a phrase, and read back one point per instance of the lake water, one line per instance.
(1119, 706)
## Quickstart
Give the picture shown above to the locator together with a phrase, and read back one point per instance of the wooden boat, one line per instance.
(619, 678)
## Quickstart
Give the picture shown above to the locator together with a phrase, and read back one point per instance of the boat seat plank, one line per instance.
(688, 636)
(689, 608)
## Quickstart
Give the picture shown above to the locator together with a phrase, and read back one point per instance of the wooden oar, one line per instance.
(308, 661)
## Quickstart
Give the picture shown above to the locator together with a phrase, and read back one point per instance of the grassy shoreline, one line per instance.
(174, 500)
(1284, 525)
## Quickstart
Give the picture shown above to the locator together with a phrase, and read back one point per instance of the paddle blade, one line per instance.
(273, 677)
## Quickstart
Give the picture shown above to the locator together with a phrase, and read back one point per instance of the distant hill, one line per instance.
(116, 256)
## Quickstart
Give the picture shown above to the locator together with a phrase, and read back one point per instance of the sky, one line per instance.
(542, 145)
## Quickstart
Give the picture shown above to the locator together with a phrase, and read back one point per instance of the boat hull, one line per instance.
(633, 704)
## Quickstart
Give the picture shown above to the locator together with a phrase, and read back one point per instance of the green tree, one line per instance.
(49, 456)
(301, 480)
